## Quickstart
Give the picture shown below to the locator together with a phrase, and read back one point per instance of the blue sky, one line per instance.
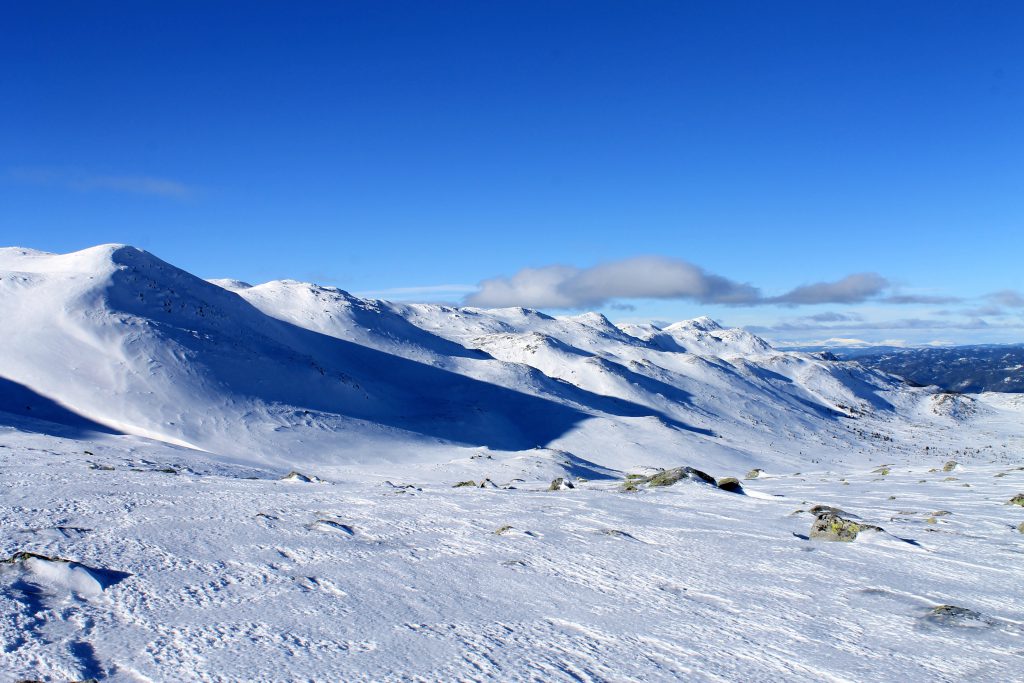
(637, 158)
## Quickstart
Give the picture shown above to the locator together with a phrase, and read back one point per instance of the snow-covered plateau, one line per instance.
(213, 481)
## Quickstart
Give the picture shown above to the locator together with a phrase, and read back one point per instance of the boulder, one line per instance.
(730, 484)
(831, 527)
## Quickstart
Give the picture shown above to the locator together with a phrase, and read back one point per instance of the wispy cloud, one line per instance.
(655, 277)
(919, 299)
(1007, 297)
(82, 181)
(852, 289)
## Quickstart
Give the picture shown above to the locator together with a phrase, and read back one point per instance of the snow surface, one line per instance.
(148, 417)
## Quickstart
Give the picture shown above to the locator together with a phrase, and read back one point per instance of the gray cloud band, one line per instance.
(653, 277)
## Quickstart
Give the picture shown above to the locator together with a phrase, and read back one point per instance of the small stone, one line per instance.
(561, 484)
(951, 615)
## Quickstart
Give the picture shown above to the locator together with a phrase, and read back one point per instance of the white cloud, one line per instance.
(655, 277)
(641, 277)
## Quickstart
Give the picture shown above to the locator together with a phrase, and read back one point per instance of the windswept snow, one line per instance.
(211, 480)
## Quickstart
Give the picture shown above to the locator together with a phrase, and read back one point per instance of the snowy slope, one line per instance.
(224, 573)
(290, 373)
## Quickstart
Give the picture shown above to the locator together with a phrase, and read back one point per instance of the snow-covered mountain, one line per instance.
(289, 373)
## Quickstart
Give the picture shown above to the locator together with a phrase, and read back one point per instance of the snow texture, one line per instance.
(208, 480)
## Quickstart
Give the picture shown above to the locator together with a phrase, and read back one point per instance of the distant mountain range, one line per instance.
(968, 369)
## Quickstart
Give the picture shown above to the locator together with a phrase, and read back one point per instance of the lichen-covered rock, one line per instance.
(666, 477)
(561, 484)
(503, 529)
(461, 484)
(949, 466)
(1020, 527)
(883, 470)
(23, 555)
(951, 615)
(730, 484)
(831, 527)
(754, 473)
(1017, 500)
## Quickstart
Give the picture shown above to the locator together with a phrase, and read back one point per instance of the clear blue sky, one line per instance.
(378, 145)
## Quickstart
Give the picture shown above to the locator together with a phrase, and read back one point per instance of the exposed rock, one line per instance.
(331, 525)
(694, 473)
(949, 466)
(754, 473)
(823, 509)
(299, 476)
(23, 555)
(951, 615)
(831, 527)
(730, 484)
(666, 477)
(941, 513)
(1020, 527)
(503, 529)
(469, 482)
(488, 484)
(618, 534)
(561, 484)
